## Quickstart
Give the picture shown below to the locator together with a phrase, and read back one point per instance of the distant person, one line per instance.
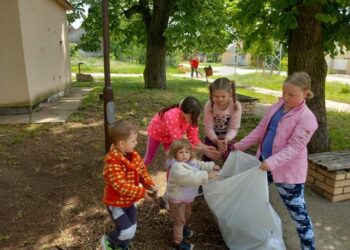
(282, 135)
(194, 65)
(123, 173)
(185, 174)
(222, 116)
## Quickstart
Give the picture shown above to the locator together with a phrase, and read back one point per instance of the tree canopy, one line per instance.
(161, 27)
(259, 21)
(309, 29)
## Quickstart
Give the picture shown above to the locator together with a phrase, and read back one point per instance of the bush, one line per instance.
(284, 64)
(174, 59)
(345, 90)
(73, 48)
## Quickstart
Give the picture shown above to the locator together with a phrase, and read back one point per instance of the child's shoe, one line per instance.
(200, 191)
(106, 245)
(124, 246)
(183, 245)
(187, 232)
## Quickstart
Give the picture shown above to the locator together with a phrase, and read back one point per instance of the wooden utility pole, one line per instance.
(108, 103)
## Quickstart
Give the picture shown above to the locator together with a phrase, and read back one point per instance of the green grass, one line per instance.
(262, 98)
(27, 131)
(95, 65)
(334, 91)
(133, 101)
(339, 130)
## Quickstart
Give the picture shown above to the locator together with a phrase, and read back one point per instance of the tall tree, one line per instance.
(309, 28)
(166, 25)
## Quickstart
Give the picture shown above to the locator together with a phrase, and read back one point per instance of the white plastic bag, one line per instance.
(240, 203)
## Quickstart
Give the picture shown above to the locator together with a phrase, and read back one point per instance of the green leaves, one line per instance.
(256, 22)
(327, 18)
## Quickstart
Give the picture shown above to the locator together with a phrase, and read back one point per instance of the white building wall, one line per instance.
(45, 45)
(13, 80)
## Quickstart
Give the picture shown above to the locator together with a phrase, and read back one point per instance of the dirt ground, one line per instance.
(51, 196)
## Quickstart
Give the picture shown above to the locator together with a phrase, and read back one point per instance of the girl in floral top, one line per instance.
(222, 116)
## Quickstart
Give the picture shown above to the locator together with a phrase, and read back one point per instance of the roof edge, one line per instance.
(65, 4)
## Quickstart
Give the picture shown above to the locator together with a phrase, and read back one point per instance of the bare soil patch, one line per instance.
(51, 192)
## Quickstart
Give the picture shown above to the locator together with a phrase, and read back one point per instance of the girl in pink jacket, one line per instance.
(173, 123)
(282, 135)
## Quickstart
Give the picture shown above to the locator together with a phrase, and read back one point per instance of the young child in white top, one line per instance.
(222, 116)
(185, 175)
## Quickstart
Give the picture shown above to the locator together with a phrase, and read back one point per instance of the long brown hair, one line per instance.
(189, 105)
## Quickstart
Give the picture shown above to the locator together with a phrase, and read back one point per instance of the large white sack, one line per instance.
(240, 203)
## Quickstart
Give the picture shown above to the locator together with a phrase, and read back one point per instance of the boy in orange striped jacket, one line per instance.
(124, 170)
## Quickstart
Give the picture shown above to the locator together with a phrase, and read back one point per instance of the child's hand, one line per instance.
(216, 168)
(222, 145)
(211, 152)
(264, 166)
(148, 195)
(213, 175)
(154, 189)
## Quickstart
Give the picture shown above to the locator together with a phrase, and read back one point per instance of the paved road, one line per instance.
(331, 105)
(227, 70)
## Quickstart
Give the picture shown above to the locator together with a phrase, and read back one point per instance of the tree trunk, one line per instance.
(306, 53)
(155, 69)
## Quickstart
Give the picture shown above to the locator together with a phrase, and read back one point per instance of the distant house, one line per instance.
(74, 36)
(339, 64)
(34, 61)
(233, 53)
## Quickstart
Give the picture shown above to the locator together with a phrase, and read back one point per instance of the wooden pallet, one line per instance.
(329, 174)
(332, 161)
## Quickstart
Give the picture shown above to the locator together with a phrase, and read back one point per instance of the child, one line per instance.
(185, 176)
(222, 116)
(123, 172)
(172, 123)
(282, 135)
(194, 66)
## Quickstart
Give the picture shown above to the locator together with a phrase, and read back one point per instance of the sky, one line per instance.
(78, 22)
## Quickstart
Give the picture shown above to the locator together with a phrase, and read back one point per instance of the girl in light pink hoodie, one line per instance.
(282, 135)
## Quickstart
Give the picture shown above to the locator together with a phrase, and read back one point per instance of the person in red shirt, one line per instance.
(194, 65)
(123, 173)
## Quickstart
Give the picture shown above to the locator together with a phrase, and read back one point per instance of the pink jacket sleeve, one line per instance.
(255, 136)
(209, 122)
(235, 122)
(296, 143)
